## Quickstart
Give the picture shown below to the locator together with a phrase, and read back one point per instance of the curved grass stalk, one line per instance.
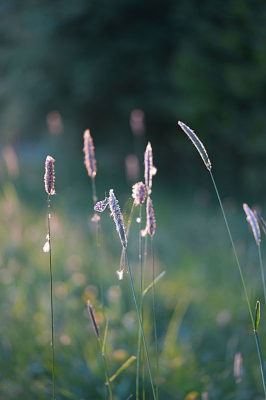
(140, 323)
(244, 285)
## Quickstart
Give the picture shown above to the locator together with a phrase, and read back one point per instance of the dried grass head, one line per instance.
(49, 176)
(89, 159)
(150, 169)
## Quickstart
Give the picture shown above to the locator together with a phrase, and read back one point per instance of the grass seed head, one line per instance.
(118, 217)
(49, 176)
(252, 220)
(94, 324)
(197, 143)
(139, 193)
(150, 169)
(151, 223)
(89, 159)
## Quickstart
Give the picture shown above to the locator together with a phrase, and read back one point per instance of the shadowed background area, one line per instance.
(128, 71)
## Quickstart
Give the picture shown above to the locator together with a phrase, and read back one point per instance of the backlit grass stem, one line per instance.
(244, 285)
(154, 321)
(141, 289)
(141, 327)
(51, 291)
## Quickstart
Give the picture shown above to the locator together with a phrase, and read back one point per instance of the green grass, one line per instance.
(202, 317)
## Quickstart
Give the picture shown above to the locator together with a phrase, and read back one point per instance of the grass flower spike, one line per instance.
(151, 223)
(197, 143)
(94, 324)
(150, 170)
(139, 193)
(253, 222)
(49, 177)
(118, 217)
(88, 149)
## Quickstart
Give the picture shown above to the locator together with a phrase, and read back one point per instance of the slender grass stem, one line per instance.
(244, 285)
(141, 327)
(234, 250)
(102, 348)
(141, 289)
(261, 362)
(97, 226)
(154, 322)
(262, 273)
(51, 291)
(142, 314)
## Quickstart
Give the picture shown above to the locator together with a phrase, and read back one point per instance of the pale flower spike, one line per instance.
(101, 205)
(252, 220)
(260, 220)
(150, 169)
(139, 193)
(49, 176)
(151, 223)
(197, 143)
(118, 217)
(89, 159)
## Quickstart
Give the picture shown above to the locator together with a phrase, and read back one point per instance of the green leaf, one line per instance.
(153, 283)
(105, 335)
(122, 368)
(257, 315)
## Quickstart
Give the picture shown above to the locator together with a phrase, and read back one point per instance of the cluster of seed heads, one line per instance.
(89, 159)
(49, 176)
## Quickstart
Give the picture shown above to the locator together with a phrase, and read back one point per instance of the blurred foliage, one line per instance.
(203, 63)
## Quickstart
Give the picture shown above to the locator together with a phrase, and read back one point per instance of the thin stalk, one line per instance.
(51, 291)
(94, 199)
(261, 362)
(234, 250)
(141, 327)
(244, 285)
(154, 322)
(141, 289)
(262, 273)
(142, 314)
(106, 371)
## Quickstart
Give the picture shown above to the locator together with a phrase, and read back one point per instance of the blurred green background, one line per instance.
(128, 71)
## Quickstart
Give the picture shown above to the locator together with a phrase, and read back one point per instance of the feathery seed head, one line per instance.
(89, 159)
(197, 143)
(118, 217)
(252, 220)
(100, 206)
(150, 169)
(151, 223)
(260, 220)
(94, 324)
(139, 193)
(49, 176)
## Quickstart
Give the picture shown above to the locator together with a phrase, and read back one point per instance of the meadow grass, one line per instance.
(199, 328)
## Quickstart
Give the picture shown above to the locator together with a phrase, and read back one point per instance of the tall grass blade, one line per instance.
(123, 367)
(156, 280)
